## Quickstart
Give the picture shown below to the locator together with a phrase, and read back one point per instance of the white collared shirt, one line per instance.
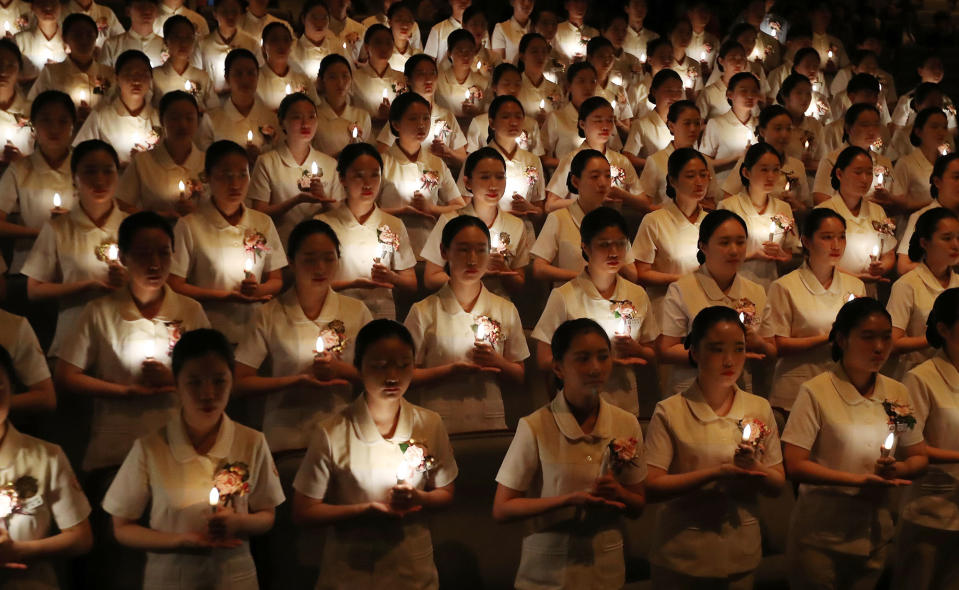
(107, 22)
(19, 339)
(443, 125)
(703, 48)
(152, 179)
(507, 35)
(571, 40)
(913, 171)
(192, 80)
(38, 51)
(450, 92)
(823, 183)
(479, 131)
(561, 131)
(114, 124)
(308, 55)
(367, 91)
(910, 302)
(271, 88)
(152, 45)
(91, 86)
(861, 237)
(636, 42)
(334, 132)
(690, 71)
(793, 171)
(436, 40)
(524, 177)
(164, 471)
(548, 94)
(165, 12)
(809, 130)
(726, 137)
(823, 43)
(253, 25)
(648, 135)
(758, 226)
(903, 247)
(110, 341)
(213, 49)
(444, 334)
(226, 122)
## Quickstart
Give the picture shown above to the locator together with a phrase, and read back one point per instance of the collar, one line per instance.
(812, 283)
(83, 221)
(576, 213)
(452, 306)
(942, 363)
(366, 429)
(129, 311)
(39, 163)
(401, 158)
(589, 288)
(234, 115)
(121, 110)
(342, 213)
(291, 307)
(924, 273)
(520, 27)
(142, 38)
(182, 449)
(217, 220)
(848, 392)
(12, 443)
(704, 413)
(571, 429)
(286, 156)
(670, 206)
(711, 288)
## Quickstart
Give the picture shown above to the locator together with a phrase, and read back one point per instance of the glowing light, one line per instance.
(466, 95)
(249, 136)
(288, 89)
(314, 169)
(82, 95)
(355, 132)
(148, 348)
(851, 297)
(6, 26)
(57, 201)
(616, 79)
(621, 328)
(181, 187)
(320, 345)
(386, 94)
(772, 227)
(702, 55)
(113, 253)
(481, 332)
(747, 432)
(214, 498)
(642, 57)
(742, 318)
(248, 265)
(542, 104)
(888, 444)
(6, 505)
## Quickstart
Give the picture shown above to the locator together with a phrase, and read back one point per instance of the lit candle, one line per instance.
(542, 104)
(742, 318)
(494, 241)
(344, 45)
(479, 65)
(6, 27)
(772, 227)
(805, 145)
(82, 95)
(829, 54)
(57, 201)
(851, 297)
(616, 79)
(355, 132)
(288, 89)
(480, 332)
(113, 253)
(314, 169)
(702, 55)
(466, 94)
(876, 250)
(621, 328)
(249, 136)
(386, 94)
(879, 179)
(888, 444)
(788, 185)
(186, 86)
(248, 266)
(689, 83)
(642, 57)
(214, 499)
(943, 149)
(149, 350)
(320, 346)
(747, 432)
(403, 473)
(613, 104)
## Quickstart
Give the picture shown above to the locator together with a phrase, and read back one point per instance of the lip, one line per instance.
(471, 271)
(366, 193)
(391, 390)
(421, 135)
(728, 373)
(306, 132)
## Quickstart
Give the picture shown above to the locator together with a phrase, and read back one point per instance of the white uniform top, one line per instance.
(713, 531)
(507, 35)
(443, 125)
(712, 101)
(636, 41)
(479, 131)
(845, 431)
(911, 227)
(549, 93)
(38, 51)
(621, 169)
(402, 177)
(152, 45)
(350, 462)
(667, 240)
(114, 124)
(346, 27)
(226, 122)
(809, 130)
(823, 181)
(276, 178)
(762, 272)
(444, 334)
(524, 177)
(18, 338)
(359, 245)
(570, 41)
(334, 132)
(933, 499)
(165, 12)
(15, 124)
(164, 471)
(212, 52)
(49, 493)
(823, 43)
(726, 136)
(690, 71)
(793, 172)
(648, 135)
(450, 92)
(910, 302)
(281, 331)
(192, 80)
(308, 55)
(271, 87)
(152, 180)
(579, 298)
(92, 85)
(904, 115)
(652, 180)
(550, 456)
(211, 254)
(703, 44)
(518, 240)
(27, 187)
(399, 58)
(832, 139)
(694, 292)
(19, 14)
(66, 252)
(253, 25)
(913, 171)
(798, 306)
(561, 130)
(368, 87)
(416, 37)
(620, 97)
(861, 237)
(110, 342)
(436, 40)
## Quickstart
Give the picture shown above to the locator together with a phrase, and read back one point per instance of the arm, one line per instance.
(646, 276)
(15, 230)
(786, 346)
(544, 271)
(670, 350)
(802, 469)
(71, 378)
(510, 504)
(72, 541)
(271, 286)
(309, 511)
(131, 534)
(544, 356)
(40, 290)
(554, 202)
(203, 295)
(902, 344)
(434, 276)
(40, 397)
(904, 265)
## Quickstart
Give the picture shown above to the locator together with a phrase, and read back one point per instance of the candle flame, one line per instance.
(355, 132)
(890, 440)
(113, 253)
(742, 318)
(186, 85)
(875, 251)
(249, 135)
(180, 186)
(57, 200)
(642, 57)
(320, 346)
(214, 496)
(385, 94)
(772, 224)
(747, 432)
(288, 89)
(6, 26)
(82, 95)
(616, 79)
(466, 95)
(621, 328)
(314, 169)
(149, 349)
(248, 265)
(479, 65)
(851, 297)
(542, 103)
(702, 55)
(481, 332)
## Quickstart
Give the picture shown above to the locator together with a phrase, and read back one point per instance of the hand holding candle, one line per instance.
(214, 499)
(887, 444)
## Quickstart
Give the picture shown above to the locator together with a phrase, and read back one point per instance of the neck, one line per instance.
(409, 147)
(361, 208)
(714, 394)
(379, 66)
(635, 24)
(466, 293)
(7, 95)
(603, 280)
(863, 381)
(461, 72)
(521, 20)
(230, 211)
(243, 103)
(686, 205)
(576, 20)
(931, 152)
(54, 157)
(679, 54)
(174, 4)
(257, 12)
(338, 103)
(179, 149)
(458, 14)
(202, 436)
(385, 413)
(226, 34)
(83, 62)
(852, 202)
(824, 273)
(84, 4)
(401, 45)
(179, 63)
(535, 75)
(97, 212)
(48, 28)
(940, 269)
(316, 36)
(142, 29)
(280, 67)
(759, 198)
(311, 298)
(485, 210)
(299, 147)
(589, 203)
(723, 280)
(502, 142)
(146, 299)
(596, 144)
(585, 413)
(133, 104)
(742, 114)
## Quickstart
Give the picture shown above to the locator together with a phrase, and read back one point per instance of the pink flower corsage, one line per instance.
(232, 481)
(487, 329)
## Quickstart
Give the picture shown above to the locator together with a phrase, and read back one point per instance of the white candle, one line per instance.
(344, 45)
(642, 57)
(182, 188)
(386, 94)
(494, 241)
(788, 184)
(186, 86)
(542, 103)
(57, 201)
(888, 444)
(149, 349)
(249, 136)
(702, 55)
(481, 332)
(689, 83)
(466, 95)
(621, 328)
(355, 132)
(82, 95)
(747, 432)
(479, 65)
(879, 179)
(613, 104)
(943, 149)
(742, 318)
(288, 89)
(875, 251)
(214, 499)
(248, 265)
(320, 345)
(6, 26)
(772, 228)
(805, 144)
(829, 54)
(403, 472)
(113, 253)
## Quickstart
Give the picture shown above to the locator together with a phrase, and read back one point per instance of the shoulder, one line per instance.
(892, 389)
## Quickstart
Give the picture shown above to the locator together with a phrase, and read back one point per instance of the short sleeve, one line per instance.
(649, 328)
(276, 257)
(28, 360)
(921, 398)
(546, 245)
(205, 134)
(521, 462)
(553, 315)
(128, 190)
(68, 503)
(78, 347)
(268, 493)
(447, 190)
(417, 327)
(129, 494)
(823, 182)
(253, 348)
(313, 476)
(644, 246)
(675, 316)
(659, 440)
(260, 180)
(41, 263)
(521, 255)
(634, 142)
(431, 249)
(802, 428)
(90, 128)
(709, 144)
(183, 245)
(515, 348)
(772, 447)
(901, 303)
(777, 316)
(635, 472)
(404, 257)
(499, 38)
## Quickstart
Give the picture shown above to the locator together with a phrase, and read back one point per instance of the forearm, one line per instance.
(147, 539)
(200, 294)
(451, 207)
(512, 373)
(668, 486)
(808, 471)
(517, 508)
(544, 271)
(83, 384)
(438, 498)
(41, 290)
(428, 375)
(556, 202)
(75, 540)
(786, 346)
(628, 272)
(405, 280)
(277, 210)
(937, 455)
(272, 286)
(15, 230)
(673, 354)
(648, 278)
(255, 523)
(256, 385)
(311, 513)
(41, 397)
(515, 283)
(909, 344)
(434, 279)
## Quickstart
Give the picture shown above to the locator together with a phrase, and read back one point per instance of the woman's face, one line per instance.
(948, 186)
(607, 250)
(488, 181)
(463, 53)
(682, 35)
(402, 24)
(9, 69)
(868, 344)
(468, 255)
(300, 121)
(721, 354)
(228, 14)
(827, 245)
(181, 41)
(595, 181)
(748, 40)
(243, 77)
(204, 385)
(278, 44)
(602, 60)
(599, 126)
(387, 368)
(943, 248)
(778, 131)
(764, 173)
(734, 62)
(799, 99)
(726, 248)
(865, 130)
(584, 369)
(336, 82)
(687, 128)
(508, 121)
(669, 92)
(316, 262)
(693, 180)
(180, 121)
(381, 45)
(96, 178)
(616, 32)
(535, 55)
(135, 79)
(414, 123)
(423, 81)
(49, 10)
(547, 25)
(316, 21)
(478, 26)
(934, 132)
(856, 178)
(745, 95)
(148, 258)
(509, 84)
(662, 57)
(82, 41)
(230, 179)
(809, 67)
(54, 127)
(583, 85)
(362, 179)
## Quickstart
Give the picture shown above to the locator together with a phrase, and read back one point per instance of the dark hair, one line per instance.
(925, 227)
(678, 107)
(6, 365)
(376, 330)
(862, 82)
(397, 6)
(769, 113)
(331, 60)
(738, 29)
(458, 36)
(234, 56)
(129, 56)
(564, 335)
(498, 72)
(596, 221)
(471, 12)
(494, 108)
(799, 30)
(52, 97)
(85, 148)
(484, 153)
(921, 119)
(802, 54)
(401, 104)
(374, 29)
(852, 115)
(291, 99)
(753, 154)
(815, 219)
(655, 44)
(612, 17)
(726, 48)
(410, 66)
(351, 152)
(310, 5)
(219, 150)
(662, 76)
(11, 46)
(574, 70)
(710, 224)
(589, 105)
(737, 80)
(578, 164)
(597, 43)
(76, 19)
(305, 229)
(677, 161)
(843, 161)
(168, 24)
(272, 27)
(706, 319)
(524, 44)
(945, 310)
(198, 343)
(175, 96)
(130, 226)
(851, 315)
(938, 170)
(790, 84)
(458, 224)
(922, 93)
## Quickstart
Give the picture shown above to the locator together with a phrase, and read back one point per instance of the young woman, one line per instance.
(43, 42)
(602, 56)
(723, 239)
(176, 469)
(769, 221)
(279, 77)
(375, 82)
(470, 342)
(178, 72)
(227, 257)
(14, 107)
(406, 33)
(47, 493)
(418, 187)
(573, 34)
(72, 260)
(227, 37)
(256, 18)
(561, 125)
(680, 36)
(718, 542)
(712, 101)
(806, 137)
(686, 126)
(801, 307)
(539, 95)
(506, 81)
(436, 41)
(508, 34)
(166, 179)
(142, 35)
(575, 502)
(934, 246)
(726, 137)
(850, 438)
(338, 123)
(28, 186)
(128, 122)
(870, 241)
(929, 138)
(650, 133)
(459, 89)
(600, 294)
(486, 176)
(363, 476)
(944, 189)
(557, 255)
(294, 181)
(927, 535)
(373, 262)
(317, 41)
